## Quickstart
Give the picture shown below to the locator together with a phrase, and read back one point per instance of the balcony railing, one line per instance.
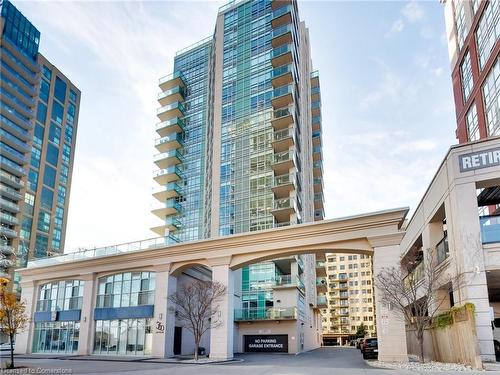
(284, 156)
(414, 277)
(13, 165)
(284, 179)
(284, 203)
(266, 313)
(9, 177)
(152, 243)
(322, 301)
(173, 76)
(282, 30)
(490, 228)
(288, 280)
(282, 10)
(6, 135)
(281, 50)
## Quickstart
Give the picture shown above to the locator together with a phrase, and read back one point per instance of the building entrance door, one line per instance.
(177, 340)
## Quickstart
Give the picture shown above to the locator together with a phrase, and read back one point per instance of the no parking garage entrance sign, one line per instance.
(266, 343)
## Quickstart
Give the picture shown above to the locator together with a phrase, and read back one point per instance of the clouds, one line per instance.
(115, 52)
(412, 12)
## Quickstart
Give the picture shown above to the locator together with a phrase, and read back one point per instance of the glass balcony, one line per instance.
(17, 118)
(283, 96)
(442, 250)
(316, 123)
(282, 55)
(265, 313)
(315, 93)
(316, 139)
(282, 35)
(152, 243)
(7, 232)
(320, 269)
(315, 108)
(169, 111)
(284, 184)
(15, 129)
(317, 154)
(284, 139)
(282, 75)
(171, 207)
(283, 162)
(172, 80)
(171, 224)
(9, 206)
(164, 176)
(11, 180)
(18, 104)
(283, 208)
(12, 154)
(282, 16)
(174, 125)
(490, 228)
(12, 167)
(19, 66)
(167, 159)
(319, 215)
(322, 301)
(321, 284)
(414, 277)
(17, 78)
(169, 142)
(170, 190)
(287, 281)
(317, 169)
(175, 94)
(283, 118)
(13, 141)
(6, 250)
(25, 58)
(8, 219)
(318, 184)
(10, 193)
(275, 4)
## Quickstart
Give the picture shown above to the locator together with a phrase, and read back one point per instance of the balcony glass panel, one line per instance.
(282, 50)
(266, 313)
(490, 228)
(281, 30)
(282, 10)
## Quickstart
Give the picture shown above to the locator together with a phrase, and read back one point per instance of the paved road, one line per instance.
(323, 361)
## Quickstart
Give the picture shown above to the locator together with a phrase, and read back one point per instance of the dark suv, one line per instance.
(370, 348)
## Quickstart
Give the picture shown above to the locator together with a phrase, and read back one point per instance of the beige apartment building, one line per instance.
(350, 298)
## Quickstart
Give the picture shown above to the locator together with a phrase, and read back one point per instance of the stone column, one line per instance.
(164, 314)
(391, 332)
(29, 295)
(86, 339)
(221, 336)
(467, 256)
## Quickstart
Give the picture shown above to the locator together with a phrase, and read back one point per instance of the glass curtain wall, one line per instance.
(56, 337)
(194, 65)
(123, 337)
(246, 153)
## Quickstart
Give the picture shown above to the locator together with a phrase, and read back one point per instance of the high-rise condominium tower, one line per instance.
(239, 148)
(473, 32)
(39, 117)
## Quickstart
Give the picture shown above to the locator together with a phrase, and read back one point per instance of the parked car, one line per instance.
(495, 325)
(359, 342)
(370, 348)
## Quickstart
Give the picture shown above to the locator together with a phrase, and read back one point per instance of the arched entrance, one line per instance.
(377, 234)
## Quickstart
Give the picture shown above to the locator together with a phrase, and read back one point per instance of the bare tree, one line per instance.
(196, 307)
(413, 291)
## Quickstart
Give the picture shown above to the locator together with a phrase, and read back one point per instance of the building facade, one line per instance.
(239, 150)
(449, 231)
(39, 118)
(350, 298)
(473, 32)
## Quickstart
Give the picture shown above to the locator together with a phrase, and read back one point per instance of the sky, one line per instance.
(387, 105)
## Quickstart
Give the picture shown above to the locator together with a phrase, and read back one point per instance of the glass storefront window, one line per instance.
(61, 295)
(56, 337)
(123, 337)
(126, 289)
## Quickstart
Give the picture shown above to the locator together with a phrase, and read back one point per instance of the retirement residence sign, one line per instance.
(479, 159)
